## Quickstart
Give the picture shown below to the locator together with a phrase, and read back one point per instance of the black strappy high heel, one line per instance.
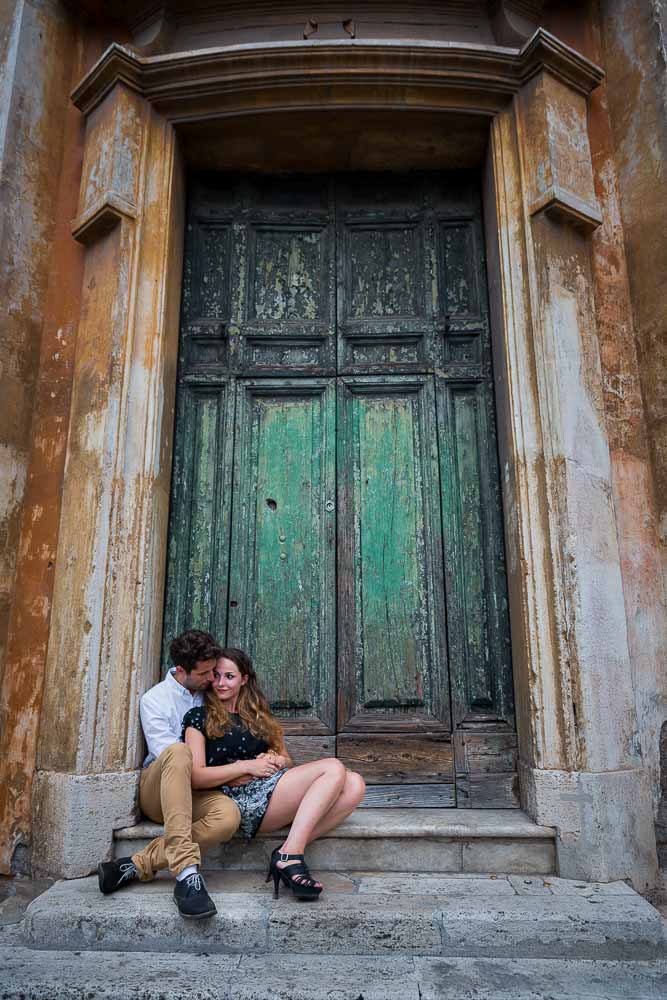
(296, 876)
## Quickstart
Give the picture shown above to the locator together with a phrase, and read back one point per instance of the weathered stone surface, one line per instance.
(417, 823)
(509, 856)
(487, 979)
(374, 925)
(77, 814)
(428, 840)
(75, 916)
(531, 885)
(62, 975)
(556, 926)
(411, 884)
(604, 822)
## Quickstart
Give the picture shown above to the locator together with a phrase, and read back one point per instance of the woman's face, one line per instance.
(227, 682)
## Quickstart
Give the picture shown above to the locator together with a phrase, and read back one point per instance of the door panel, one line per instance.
(409, 797)
(413, 759)
(392, 652)
(386, 276)
(198, 557)
(282, 577)
(259, 289)
(478, 634)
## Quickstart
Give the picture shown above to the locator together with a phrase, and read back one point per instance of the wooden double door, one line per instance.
(335, 502)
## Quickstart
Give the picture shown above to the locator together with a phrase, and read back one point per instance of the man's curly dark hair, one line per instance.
(193, 646)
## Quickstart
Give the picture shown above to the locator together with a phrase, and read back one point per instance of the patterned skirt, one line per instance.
(253, 800)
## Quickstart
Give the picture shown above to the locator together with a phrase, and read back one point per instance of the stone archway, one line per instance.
(540, 204)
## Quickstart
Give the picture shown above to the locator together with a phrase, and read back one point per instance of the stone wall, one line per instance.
(34, 81)
(593, 304)
(634, 44)
(46, 51)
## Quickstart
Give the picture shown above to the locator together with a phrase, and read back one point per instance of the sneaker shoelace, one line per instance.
(127, 871)
(194, 881)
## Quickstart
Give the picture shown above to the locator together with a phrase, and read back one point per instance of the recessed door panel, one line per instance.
(282, 576)
(386, 276)
(198, 557)
(392, 650)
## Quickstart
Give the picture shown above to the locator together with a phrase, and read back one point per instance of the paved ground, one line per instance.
(16, 894)
(28, 975)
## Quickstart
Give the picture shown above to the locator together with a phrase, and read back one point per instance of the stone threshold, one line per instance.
(396, 840)
(446, 823)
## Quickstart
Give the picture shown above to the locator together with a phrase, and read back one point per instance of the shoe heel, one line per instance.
(276, 883)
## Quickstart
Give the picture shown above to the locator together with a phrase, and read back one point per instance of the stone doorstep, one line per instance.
(399, 840)
(60, 975)
(359, 914)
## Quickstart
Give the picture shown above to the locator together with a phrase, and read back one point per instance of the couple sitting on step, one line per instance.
(216, 761)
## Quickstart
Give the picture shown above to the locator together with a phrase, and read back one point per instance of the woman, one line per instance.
(238, 744)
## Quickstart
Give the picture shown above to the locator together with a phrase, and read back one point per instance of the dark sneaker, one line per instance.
(113, 875)
(192, 899)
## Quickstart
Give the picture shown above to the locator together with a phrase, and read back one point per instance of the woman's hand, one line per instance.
(237, 782)
(280, 760)
(263, 766)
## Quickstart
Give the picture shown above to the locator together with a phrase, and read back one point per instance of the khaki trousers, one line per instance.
(193, 821)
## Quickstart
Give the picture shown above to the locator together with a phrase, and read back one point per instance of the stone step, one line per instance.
(358, 914)
(398, 840)
(63, 975)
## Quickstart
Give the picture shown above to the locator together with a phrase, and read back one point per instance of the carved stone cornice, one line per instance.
(173, 82)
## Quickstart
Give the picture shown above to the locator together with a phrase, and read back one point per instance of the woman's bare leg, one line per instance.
(348, 800)
(304, 795)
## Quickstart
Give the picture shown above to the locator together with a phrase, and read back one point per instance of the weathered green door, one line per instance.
(335, 504)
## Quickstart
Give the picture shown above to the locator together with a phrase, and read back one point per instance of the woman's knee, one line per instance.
(355, 788)
(335, 770)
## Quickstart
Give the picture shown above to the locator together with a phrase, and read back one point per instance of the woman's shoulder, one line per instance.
(195, 718)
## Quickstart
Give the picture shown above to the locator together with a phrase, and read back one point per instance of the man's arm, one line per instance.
(158, 731)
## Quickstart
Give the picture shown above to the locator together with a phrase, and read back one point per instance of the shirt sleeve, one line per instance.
(194, 719)
(157, 727)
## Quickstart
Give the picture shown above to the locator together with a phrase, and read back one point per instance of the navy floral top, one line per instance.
(238, 744)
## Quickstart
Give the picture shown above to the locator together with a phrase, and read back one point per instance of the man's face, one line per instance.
(200, 676)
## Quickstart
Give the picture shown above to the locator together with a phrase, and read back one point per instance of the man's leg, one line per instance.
(190, 820)
(215, 818)
(165, 796)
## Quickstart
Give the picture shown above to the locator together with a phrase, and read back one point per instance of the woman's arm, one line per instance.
(212, 777)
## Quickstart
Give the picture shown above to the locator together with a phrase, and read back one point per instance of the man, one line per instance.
(193, 820)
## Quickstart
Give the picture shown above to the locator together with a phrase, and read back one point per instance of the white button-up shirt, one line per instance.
(162, 710)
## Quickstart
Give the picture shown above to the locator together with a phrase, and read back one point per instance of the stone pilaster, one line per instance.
(104, 643)
(581, 762)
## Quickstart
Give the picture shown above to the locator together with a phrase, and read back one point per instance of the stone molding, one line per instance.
(491, 73)
(563, 206)
(100, 218)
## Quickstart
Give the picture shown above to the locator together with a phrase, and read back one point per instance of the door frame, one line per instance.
(540, 208)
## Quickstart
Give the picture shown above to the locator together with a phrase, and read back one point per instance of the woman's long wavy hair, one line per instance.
(252, 706)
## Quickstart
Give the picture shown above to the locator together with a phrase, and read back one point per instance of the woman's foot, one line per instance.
(291, 869)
